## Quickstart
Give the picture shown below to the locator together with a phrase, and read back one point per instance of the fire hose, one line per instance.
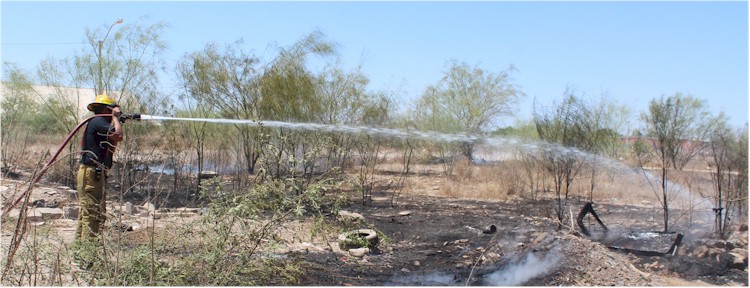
(123, 118)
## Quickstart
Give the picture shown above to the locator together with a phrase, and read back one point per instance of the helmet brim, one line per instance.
(95, 106)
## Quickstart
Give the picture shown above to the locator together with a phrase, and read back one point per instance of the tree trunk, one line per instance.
(665, 198)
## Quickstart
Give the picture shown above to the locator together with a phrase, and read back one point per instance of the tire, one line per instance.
(358, 239)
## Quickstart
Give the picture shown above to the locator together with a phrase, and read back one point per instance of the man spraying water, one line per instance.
(98, 144)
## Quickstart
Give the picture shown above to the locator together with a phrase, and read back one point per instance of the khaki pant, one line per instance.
(93, 211)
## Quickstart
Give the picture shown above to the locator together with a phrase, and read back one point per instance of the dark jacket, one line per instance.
(96, 148)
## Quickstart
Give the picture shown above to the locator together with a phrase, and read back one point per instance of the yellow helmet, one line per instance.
(102, 99)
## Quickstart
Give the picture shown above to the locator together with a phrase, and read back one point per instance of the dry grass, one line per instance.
(507, 180)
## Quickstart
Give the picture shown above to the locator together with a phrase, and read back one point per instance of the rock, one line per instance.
(304, 247)
(123, 227)
(44, 190)
(50, 213)
(39, 203)
(716, 252)
(404, 213)
(739, 251)
(359, 252)
(682, 250)
(346, 215)
(129, 209)
(738, 261)
(188, 210)
(460, 241)
(72, 194)
(208, 175)
(71, 212)
(13, 213)
(729, 246)
(334, 246)
(34, 216)
(165, 214)
(720, 244)
(416, 263)
(539, 238)
(405, 270)
(742, 227)
(700, 251)
(738, 258)
(149, 207)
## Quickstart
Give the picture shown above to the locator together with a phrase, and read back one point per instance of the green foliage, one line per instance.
(139, 268)
(23, 110)
(238, 221)
(671, 122)
(342, 96)
(287, 88)
(18, 107)
(524, 130)
(46, 121)
(642, 151)
(131, 60)
(467, 100)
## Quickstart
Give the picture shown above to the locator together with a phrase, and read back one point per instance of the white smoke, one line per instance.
(529, 267)
(432, 279)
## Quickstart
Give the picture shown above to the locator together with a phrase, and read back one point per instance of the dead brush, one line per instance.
(489, 182)
(42, 259)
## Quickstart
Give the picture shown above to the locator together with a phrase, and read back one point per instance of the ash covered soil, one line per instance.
(445, 241)
(439, 241)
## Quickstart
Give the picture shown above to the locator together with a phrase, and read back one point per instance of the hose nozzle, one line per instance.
(134, 116)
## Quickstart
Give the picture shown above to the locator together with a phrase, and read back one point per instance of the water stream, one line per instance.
(496, 142)
(556, 150)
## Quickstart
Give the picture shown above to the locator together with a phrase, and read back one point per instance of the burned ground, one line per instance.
(436, 241)
(440, 242)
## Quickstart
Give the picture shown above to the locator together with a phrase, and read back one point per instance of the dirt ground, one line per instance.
(447, 241)
(441, 242)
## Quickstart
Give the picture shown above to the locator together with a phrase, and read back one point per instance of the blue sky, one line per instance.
(631, 51)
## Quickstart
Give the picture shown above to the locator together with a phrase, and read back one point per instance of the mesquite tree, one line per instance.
(727, 159)
(562, 127)
(239, 85)
(467, 100)
(672, 122)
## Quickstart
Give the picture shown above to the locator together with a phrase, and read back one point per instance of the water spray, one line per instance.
(497, 142)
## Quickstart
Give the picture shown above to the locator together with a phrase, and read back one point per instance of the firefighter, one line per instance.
(99, 140)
